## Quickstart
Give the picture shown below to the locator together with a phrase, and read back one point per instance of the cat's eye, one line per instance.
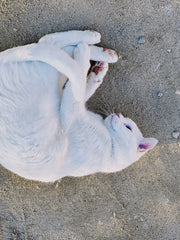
(129, 127)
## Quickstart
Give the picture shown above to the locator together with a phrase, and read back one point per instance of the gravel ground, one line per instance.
(142, 201)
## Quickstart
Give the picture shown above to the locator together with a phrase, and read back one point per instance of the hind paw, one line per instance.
(103, 54)
(98, 72)
(113, 57)
(99, 67)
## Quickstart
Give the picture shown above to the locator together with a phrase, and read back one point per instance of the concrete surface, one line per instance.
(141, 202)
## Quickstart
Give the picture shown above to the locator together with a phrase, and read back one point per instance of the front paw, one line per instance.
(98, 72)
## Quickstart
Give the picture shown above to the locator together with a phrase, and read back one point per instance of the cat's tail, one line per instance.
(57, 58)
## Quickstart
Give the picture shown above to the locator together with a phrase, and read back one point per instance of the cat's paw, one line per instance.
(99, 68)
(103, 54)
(98, 72)
(113, 57)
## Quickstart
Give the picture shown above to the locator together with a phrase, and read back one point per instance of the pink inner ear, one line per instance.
(147, 144)
(143, 147)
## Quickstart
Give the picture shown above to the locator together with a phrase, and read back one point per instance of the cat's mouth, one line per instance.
(112, 120)
(118, 114)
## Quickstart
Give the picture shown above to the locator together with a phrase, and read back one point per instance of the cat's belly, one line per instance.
(29, 118)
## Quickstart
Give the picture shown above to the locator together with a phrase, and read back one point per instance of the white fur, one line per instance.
(45, 138)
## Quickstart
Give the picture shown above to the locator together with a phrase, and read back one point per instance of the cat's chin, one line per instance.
(108, 121)
(112, 122)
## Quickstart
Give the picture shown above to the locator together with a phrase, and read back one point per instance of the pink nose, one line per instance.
(118, 114)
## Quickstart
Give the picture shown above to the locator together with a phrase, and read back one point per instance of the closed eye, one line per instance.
(129, 127)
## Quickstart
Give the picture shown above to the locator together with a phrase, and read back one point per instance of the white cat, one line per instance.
(44, 138)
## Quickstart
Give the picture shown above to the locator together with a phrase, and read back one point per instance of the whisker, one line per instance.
(103, 111)
(105, 102)
(103, 99)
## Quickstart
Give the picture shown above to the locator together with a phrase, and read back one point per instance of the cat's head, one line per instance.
(128, 136)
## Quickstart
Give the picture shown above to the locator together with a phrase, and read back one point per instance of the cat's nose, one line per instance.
(118, 114)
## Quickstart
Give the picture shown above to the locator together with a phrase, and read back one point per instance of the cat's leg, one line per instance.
(68, 41)
(103, 54)
(96, 53)
(70, 107)
(58, 59)
(95, 78)
(71, 38)
(82, 57)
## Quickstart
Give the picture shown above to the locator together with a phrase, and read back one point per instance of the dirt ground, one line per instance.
(141, 202)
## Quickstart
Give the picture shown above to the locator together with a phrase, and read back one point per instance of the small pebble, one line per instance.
(168, 10)
(177, 92)
(100, 223)
(175, 134)
(160, 94)
(168, 50)
(157, 67)
(141, 40)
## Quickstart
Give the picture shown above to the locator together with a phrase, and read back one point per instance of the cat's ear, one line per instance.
(147, 144)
